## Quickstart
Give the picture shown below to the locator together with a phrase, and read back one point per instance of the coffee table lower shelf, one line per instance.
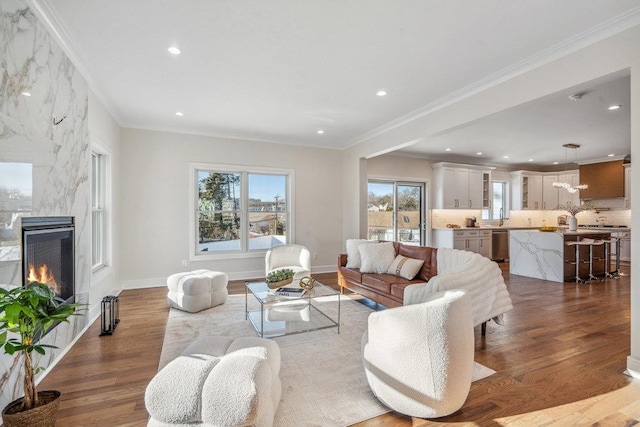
(287, 319)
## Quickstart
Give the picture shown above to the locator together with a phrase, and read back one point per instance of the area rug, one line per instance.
(323, 382)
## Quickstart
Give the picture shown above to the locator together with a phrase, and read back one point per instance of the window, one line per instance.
(98, 211)
(239, 211)
(499, 202)
(395, 211)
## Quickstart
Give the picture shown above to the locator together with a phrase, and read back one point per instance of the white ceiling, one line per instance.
(280, 70)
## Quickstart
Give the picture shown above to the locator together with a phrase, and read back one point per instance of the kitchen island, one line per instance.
(545, 255)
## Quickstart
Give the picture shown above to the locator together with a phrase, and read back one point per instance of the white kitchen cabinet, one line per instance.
(485, 242)
(550, 193)
(526, 190)
(565, 197)
(460, 186)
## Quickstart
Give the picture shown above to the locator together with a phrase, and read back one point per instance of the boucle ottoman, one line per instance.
(218, 381)
(197, 290)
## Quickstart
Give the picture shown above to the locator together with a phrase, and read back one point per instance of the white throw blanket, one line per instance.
(479, 276)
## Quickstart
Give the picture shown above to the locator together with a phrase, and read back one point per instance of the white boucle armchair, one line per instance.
(478, 275)
(295, 257)
(418, 359)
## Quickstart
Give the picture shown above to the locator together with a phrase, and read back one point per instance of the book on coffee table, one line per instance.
(290, 292)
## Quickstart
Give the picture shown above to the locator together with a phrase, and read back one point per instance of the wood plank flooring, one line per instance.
(560, 359)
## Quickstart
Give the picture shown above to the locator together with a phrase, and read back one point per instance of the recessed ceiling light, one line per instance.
(25, 93)
(381, 93)
(530, 160)
(447, 149)
(505, 157)
(614, 107)
(576, 96)
(611, 155)
(555, 163)
(479, 153)
(179, 113)
(173, 50)
(320, 132)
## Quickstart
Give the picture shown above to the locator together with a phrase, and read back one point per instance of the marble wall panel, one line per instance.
(59, 154)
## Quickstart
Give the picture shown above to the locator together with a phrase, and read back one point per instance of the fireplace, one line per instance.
(48, 254)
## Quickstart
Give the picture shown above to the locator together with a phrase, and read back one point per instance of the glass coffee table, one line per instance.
(278, 316)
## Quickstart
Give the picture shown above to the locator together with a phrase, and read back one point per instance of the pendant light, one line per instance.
(570, 188)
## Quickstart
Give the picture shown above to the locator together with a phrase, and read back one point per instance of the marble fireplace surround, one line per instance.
(58, 156)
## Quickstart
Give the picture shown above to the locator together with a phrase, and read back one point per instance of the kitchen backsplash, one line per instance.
(441, 217)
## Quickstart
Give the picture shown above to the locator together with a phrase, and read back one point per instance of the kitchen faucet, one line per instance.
(501, 222)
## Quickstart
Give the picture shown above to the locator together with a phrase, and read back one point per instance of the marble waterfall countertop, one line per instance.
(540, 254)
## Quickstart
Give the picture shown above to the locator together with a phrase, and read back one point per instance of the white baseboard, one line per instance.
(633, 367)
(159, 282)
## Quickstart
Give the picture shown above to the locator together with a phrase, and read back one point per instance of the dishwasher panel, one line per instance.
(500, 240)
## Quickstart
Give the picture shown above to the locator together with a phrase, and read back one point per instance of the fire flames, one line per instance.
(42, 274)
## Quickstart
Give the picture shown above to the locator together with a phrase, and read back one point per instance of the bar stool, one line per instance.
(607, 258)
(576, 244)
(592, 243)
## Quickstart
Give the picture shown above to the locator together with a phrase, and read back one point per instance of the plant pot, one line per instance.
(281, 283)
(573, 223)
(41, 416)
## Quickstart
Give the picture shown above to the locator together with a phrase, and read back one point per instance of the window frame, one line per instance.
(244, 171)
(100, 205)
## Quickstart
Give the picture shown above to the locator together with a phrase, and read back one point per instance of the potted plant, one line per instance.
(26, 314)
(279, 278)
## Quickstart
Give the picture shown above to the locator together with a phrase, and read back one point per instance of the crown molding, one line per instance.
(598, 33)
(53, 24)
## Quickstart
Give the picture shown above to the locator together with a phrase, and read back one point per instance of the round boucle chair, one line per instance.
(294, 257)
(418, 359)
(197, 290)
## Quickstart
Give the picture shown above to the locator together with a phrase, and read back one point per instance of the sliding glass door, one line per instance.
(396, 211)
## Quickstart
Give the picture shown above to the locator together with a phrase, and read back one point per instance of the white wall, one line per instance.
(154, 209)
(104, 134)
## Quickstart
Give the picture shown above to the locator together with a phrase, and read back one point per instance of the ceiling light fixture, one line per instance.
(570, 188)
(25, 94)
(173, 50)
(381, 93)
(610, 155)
(614, 107)
(179, 113)
(530, 160)
(479, 153)
(576, 96)
(447, 149)
(505, 157)
(320, 132)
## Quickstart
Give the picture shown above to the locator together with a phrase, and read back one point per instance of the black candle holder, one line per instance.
(110, 315)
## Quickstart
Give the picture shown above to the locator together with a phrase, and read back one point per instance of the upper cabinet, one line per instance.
(461, 186)
(526, 190)
(565, 197)
(550, 194)
(535, 190)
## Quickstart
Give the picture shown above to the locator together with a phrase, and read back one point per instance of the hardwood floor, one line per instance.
(559, 359)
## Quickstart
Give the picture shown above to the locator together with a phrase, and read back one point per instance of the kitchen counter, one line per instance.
(544, 254)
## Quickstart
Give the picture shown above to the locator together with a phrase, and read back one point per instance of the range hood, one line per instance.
(605, 180)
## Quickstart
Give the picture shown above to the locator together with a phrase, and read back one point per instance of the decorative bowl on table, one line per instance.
(548, 228)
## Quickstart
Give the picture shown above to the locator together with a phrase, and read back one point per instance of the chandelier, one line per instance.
(570, 188)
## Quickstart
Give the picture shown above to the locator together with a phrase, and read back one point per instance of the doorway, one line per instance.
(396, 211)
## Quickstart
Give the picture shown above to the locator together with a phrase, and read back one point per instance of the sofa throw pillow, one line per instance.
(407, 268)
(353, 253)
(376, 258)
